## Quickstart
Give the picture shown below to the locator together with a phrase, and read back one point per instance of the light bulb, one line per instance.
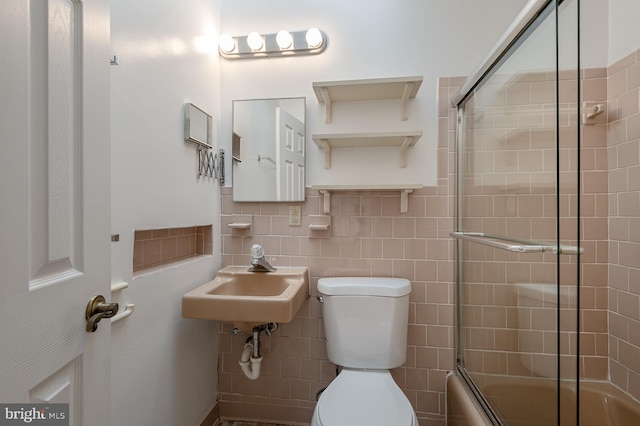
(254, 40)
(226, 43)
(284, 39)
(314, 37)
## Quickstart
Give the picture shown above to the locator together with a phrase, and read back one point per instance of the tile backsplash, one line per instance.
(369, 237)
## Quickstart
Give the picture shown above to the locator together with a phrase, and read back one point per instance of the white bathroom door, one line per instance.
(290, 145)
(54, 205)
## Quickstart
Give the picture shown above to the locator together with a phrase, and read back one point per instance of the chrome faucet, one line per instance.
(258, 262)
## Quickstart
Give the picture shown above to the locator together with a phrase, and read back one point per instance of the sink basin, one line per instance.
(249, 298)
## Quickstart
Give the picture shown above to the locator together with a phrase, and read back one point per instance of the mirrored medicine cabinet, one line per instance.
(268, 149)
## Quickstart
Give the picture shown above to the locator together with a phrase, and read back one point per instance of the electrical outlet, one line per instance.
(294, 216)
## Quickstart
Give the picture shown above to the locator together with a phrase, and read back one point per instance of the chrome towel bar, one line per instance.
(513, 244)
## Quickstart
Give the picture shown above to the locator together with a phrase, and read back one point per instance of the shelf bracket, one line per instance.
(403, 151)
(326, 200)
(326, 147)
(327, 104)
(404, 200)
(404, 107)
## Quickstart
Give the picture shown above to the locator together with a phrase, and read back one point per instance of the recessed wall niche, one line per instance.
(156, 247)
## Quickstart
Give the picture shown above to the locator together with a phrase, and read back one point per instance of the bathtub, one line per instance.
(462, 407)
(530, 401)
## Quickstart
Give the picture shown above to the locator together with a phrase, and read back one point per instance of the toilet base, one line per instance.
(368, 397)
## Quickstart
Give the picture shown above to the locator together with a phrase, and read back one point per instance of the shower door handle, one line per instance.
(513, 244)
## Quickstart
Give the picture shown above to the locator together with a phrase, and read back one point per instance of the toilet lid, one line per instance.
(364, 398)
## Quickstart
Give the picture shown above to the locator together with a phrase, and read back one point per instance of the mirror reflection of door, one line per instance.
(290, 144)
(272, 154)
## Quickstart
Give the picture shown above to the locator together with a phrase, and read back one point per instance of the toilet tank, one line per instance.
(366, 320)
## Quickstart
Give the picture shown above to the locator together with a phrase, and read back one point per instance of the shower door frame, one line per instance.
(519, 30)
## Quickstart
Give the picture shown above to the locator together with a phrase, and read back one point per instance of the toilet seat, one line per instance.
(364, 397)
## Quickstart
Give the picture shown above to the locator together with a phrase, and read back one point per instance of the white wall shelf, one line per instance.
(404, 140)
(403, 88)
(404, 189)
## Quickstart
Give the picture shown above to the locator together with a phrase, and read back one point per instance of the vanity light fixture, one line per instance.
(283, 43)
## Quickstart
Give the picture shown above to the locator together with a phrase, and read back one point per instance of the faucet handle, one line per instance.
(257, 251)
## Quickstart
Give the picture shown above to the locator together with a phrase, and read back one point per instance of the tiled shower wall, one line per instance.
(623, 154)
(594, 301)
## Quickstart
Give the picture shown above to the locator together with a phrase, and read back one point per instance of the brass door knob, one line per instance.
(98, 309)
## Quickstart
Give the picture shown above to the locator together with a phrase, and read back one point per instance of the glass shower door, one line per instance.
(517, 226)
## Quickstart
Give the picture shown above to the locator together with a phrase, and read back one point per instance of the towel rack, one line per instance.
(268, 158)
(128, 310)
(119, 286)
(513, 244)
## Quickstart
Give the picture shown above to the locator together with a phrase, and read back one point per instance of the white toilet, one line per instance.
(365, 323)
